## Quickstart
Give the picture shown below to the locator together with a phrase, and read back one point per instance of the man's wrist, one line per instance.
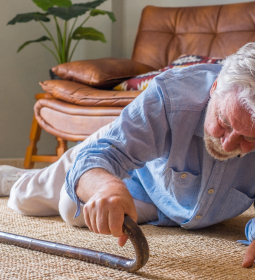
(94, 180)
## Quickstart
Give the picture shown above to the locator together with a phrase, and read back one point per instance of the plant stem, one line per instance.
(71, 31)
(64, 44)
(70, 37)
(51, 52)
(86, 19)
(60, 38)
(52, 39)
(73, 50)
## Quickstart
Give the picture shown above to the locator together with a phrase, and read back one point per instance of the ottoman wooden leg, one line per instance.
(61, 148)
(34, 136)
(31, 154)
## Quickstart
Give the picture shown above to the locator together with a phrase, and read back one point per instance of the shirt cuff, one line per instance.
(249, 232)
(74, 174)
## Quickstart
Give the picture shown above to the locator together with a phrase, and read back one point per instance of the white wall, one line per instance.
(21, 72)
(19, 77)
(96, 49)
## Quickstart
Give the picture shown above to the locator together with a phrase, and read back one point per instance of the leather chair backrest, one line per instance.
(218, 31)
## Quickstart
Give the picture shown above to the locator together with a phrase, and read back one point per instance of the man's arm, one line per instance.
(107, 200)
(140, 134)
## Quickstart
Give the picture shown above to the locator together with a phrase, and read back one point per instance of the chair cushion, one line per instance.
(141, 82)
(71, 122)
(81, 94)
(100, 73)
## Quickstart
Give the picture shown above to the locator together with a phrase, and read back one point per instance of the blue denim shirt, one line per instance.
(156, 146)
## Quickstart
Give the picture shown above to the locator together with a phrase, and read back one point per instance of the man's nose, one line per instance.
(230, 141)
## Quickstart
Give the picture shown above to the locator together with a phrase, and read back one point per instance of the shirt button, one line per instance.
(198, 217)
(211, 191)
(183, 175)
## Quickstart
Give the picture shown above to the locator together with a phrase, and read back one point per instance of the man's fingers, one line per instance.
(107, 223)
(90, 218)
(122, 240)
(102, 223)
(87, 218)
(105, 214)
(249, 255)
(115, 220)
(93, 222)
(248, 261)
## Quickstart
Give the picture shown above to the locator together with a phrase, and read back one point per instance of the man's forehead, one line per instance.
(234, 112)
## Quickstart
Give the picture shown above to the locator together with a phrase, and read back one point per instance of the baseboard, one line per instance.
(18, 162)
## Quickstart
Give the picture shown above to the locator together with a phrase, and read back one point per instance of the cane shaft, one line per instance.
(63, 250)
(131, 229)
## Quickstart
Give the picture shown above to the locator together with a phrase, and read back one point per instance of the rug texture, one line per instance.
(175, 253)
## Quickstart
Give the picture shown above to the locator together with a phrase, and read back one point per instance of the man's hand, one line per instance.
(249, 255)
(107, 200)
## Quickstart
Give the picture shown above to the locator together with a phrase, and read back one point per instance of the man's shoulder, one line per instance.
(192, 70)
(188, 88)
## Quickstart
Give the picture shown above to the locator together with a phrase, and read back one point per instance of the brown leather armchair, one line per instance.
(75, 107)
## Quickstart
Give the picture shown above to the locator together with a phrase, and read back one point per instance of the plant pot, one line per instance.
(53, 76)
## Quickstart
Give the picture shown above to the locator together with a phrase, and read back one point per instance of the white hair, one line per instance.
(238, 76)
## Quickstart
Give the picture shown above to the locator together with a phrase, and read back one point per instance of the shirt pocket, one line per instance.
(236, 203)
(183, 186)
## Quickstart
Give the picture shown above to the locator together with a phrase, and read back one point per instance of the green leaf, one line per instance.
(28, 17)
(88, 33)
(92, 5)
(96, 12)
(43, 38)
(46, 4)
(66, 13)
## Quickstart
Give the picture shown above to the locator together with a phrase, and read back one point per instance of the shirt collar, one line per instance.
(200, 126)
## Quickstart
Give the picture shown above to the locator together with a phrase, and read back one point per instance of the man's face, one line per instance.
(228, 128)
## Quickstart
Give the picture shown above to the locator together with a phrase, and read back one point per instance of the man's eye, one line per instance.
(250, 140)
(222, 124)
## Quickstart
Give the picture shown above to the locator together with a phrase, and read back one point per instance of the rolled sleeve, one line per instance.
(74, 174)
(249, 232)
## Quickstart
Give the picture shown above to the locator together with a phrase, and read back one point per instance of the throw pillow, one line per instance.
(141, 82)
(102, 73)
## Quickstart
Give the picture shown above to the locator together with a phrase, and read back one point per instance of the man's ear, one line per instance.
(213, 87)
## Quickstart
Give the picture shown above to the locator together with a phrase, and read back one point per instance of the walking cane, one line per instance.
(130, 228)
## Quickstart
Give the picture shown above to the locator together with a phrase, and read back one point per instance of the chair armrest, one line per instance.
(101, 73)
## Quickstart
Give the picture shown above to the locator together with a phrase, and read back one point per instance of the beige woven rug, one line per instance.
(175, 253)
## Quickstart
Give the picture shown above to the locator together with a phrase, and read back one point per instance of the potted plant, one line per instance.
(64, 10)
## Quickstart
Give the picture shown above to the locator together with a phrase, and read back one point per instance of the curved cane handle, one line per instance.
(131, 229)
(138, 240)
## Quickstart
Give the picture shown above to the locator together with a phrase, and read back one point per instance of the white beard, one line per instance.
(214, 148)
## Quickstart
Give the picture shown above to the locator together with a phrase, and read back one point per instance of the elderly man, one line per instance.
(181, 154)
